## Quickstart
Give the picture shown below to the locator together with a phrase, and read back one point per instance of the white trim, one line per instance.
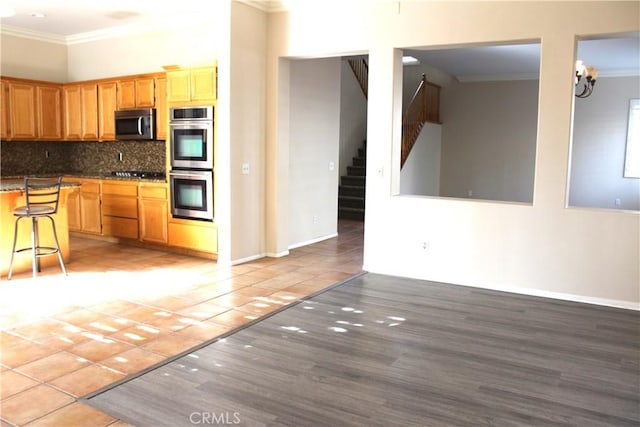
(277, 254)
(247, 259)
(33, 35)
(312, 241)
(583, 299)
(498, 77)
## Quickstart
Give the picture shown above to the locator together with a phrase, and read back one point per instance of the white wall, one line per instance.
(421, 172)
(543, 248)
(353, 117)
(33, 59)
(489, 140)
(598, 147)
(248, 98)
(146, 53)
(314, 140)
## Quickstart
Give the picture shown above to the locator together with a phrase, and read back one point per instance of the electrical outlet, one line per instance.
(332, 166)
(120, 156)
(315, 219)
(617, 202)
(425, 245)
(245, 168)
(470, 193)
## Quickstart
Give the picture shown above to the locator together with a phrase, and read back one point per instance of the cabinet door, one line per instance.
(90, 111)
(203, 84)
(178, 86)
(153, 220)
(161, 108)
(73, 211)
(49, 112)
(126, 94)
(145, 93)
(4, 109)
(72, 108)
(90, 212)
(22, 97)
(107, 104)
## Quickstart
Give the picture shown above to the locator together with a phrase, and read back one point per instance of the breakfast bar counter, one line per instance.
(12, 195)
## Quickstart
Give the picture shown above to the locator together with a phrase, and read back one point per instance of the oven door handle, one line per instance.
(190, 174)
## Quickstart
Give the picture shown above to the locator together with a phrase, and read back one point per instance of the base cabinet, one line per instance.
(138, 211)
(203, 238)
(120, 209)
(154, 213)
(84, 207)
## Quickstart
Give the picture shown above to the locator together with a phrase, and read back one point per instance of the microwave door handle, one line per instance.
(139, 125)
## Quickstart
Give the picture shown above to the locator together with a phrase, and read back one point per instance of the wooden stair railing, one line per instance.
(360, 69)
(424, 107)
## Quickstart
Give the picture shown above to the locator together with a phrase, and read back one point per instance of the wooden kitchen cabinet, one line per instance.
(107, 101)
(22, 113)
(80, 111)
(191, 85)
(84, 211)
(136, 93)
(153, 215)
(120, 209)
(49, 112)
(4, 109)
(162, 109)
(194, 235)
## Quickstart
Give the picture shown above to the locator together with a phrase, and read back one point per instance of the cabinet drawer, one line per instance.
(120, 227)
(90, 187)
(194, 237)
(120, 189)
(153, 193)
(126, 207)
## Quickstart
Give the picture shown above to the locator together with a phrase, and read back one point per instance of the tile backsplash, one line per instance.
(19, 158)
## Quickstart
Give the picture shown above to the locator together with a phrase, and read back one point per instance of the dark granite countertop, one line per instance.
(16, 183)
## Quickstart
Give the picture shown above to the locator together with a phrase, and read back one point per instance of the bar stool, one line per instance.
(41, 196)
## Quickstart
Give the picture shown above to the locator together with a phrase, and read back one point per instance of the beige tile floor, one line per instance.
(122, 309)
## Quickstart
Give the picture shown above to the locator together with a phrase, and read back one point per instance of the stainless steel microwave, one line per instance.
(137, 124)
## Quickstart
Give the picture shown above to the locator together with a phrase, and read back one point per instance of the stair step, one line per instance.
(359, 161)
(351, 202)
(354, 181)
(362, 152)
(350, 190)
(356, 170)
(351, 213)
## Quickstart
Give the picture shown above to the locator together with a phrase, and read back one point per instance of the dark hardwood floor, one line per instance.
(388, 351)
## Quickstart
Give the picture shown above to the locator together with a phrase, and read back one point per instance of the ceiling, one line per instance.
(72, 20)
(617, 56)
(66, 19)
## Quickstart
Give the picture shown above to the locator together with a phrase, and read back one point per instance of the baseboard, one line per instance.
(312, 241)
(583, 299)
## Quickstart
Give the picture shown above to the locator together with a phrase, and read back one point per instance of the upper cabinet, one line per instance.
(161, 108)
(49, 112)
(107, 101)
(4, 109)
(36, 110)
(80, 111)
(136, 93)
(22, 117)
(193, 85)
(31, 110)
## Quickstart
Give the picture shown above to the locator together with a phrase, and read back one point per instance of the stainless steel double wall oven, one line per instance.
(191, 144)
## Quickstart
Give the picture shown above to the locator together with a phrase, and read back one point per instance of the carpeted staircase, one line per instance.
(351, 190)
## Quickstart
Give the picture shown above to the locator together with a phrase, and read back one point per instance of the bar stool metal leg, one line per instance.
(13, 249)
(55, 237)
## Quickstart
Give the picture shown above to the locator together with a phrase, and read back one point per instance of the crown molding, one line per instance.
(265, 5)
(92, 36)
(33, 35)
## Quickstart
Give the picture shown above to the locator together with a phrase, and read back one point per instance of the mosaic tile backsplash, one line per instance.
(18, 158)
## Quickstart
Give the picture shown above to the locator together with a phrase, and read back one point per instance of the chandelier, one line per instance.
(585, 79)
